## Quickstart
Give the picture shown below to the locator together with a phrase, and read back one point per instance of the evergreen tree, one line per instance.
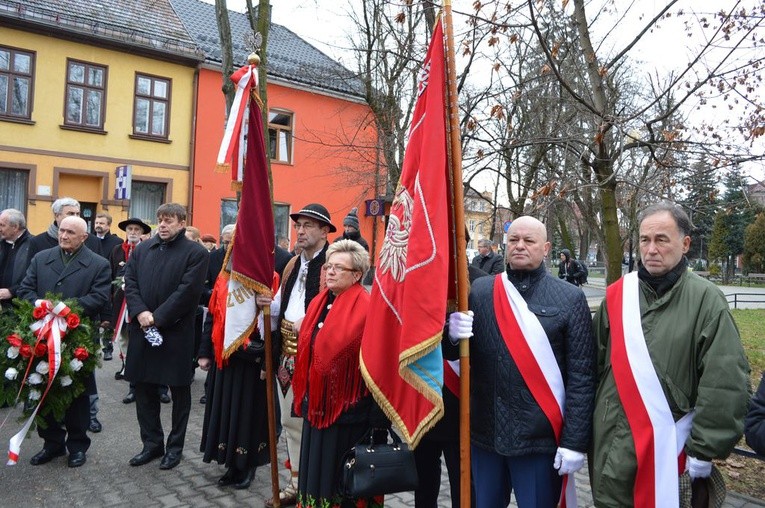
(754, 245)
(702, 205)
(727, 241)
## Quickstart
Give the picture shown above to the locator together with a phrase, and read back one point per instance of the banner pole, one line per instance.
(270, 403)
(455, 165)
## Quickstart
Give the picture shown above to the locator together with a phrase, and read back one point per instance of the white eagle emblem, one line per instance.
(393, 253)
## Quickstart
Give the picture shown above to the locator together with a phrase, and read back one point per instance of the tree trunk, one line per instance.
(227, 55)
(613, 243)
(262, 26)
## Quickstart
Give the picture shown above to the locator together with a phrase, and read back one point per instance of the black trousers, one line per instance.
(147, 407)
(72, 432)
(427, 457)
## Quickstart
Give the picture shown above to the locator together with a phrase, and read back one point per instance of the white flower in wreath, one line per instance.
(65, 381)
(35, 379)
(75, 364)
(34, 394)
(13, 352)
(11, 374)
(42, 368)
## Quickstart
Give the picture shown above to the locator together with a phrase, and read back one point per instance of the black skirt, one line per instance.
(235, 430)
(321, 454)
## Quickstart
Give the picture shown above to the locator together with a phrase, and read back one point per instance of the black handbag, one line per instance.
(374, 469)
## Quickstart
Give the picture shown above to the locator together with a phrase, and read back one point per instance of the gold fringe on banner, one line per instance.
(222, 168)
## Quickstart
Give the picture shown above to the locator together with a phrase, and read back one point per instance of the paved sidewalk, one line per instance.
(107, 479)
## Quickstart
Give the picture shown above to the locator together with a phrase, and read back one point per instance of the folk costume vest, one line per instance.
(659, 441)
(530, 349)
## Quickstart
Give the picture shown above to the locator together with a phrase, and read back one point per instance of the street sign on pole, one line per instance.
(506, 226)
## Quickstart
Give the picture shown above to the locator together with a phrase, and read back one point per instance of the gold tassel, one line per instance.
(222, 168)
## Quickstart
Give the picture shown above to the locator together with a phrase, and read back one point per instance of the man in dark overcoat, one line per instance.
(14, 252)
(164, 279)
(73, 271)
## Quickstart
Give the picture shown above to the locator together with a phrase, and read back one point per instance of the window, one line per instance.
(85, 95)
(145, 198)
(280, 136)
(13, 189)
(282, 221)
(471, 225)
(16, 80)
(151, 115)
(228, 210)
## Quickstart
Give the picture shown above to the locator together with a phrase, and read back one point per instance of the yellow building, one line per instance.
(87, 87)
(478, 216)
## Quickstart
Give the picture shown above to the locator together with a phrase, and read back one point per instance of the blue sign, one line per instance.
(506, 226)
(124, 176)
(375, 207)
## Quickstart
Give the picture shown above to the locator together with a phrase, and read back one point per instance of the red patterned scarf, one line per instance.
(329, 370)
(127, 249)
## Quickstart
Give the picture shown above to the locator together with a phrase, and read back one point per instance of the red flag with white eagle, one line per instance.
(401, 356)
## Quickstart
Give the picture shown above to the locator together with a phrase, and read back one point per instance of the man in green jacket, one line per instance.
(673, 379)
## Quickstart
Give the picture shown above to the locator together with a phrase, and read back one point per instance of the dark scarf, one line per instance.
(663, 283)
(53, 231)
(352, 236)
(67, 258)
(314, 281)
(327, 367)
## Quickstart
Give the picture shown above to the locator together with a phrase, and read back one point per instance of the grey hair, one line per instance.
(359, 256)
(485, 242)
(60, 203)
(15, 218)
(683, 222)
(227, 229)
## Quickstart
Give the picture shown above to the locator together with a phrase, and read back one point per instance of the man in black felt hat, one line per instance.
(302, 280)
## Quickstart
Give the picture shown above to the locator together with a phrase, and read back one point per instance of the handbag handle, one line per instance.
(369, 437)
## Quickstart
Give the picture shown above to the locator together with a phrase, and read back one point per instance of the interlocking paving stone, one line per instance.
(107, 480)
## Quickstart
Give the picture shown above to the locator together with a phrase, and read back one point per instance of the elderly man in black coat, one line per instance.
(72, 271)
(14, 252)
(164, 279)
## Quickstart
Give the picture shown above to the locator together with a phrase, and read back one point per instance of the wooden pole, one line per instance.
(271, 408)
(455, 165)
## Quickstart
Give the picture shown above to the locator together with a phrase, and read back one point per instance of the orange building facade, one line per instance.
(321, 164)
(322, 139)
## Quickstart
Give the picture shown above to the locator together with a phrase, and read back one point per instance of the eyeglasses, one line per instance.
(337, 268)
(306, 226)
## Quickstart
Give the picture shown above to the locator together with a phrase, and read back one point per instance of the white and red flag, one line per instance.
(249, 265)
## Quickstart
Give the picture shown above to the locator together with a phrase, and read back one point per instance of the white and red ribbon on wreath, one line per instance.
(50, 328)
(231, 153)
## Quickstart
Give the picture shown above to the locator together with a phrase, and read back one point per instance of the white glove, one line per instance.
(568, 461)
(460, 325)
(698, 468)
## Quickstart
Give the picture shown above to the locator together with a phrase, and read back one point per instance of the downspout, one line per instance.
(193, 144)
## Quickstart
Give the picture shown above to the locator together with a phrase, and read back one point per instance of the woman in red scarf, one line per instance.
(330, 393)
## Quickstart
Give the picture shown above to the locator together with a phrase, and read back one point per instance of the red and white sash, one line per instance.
(531, 351)
(659, 441)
